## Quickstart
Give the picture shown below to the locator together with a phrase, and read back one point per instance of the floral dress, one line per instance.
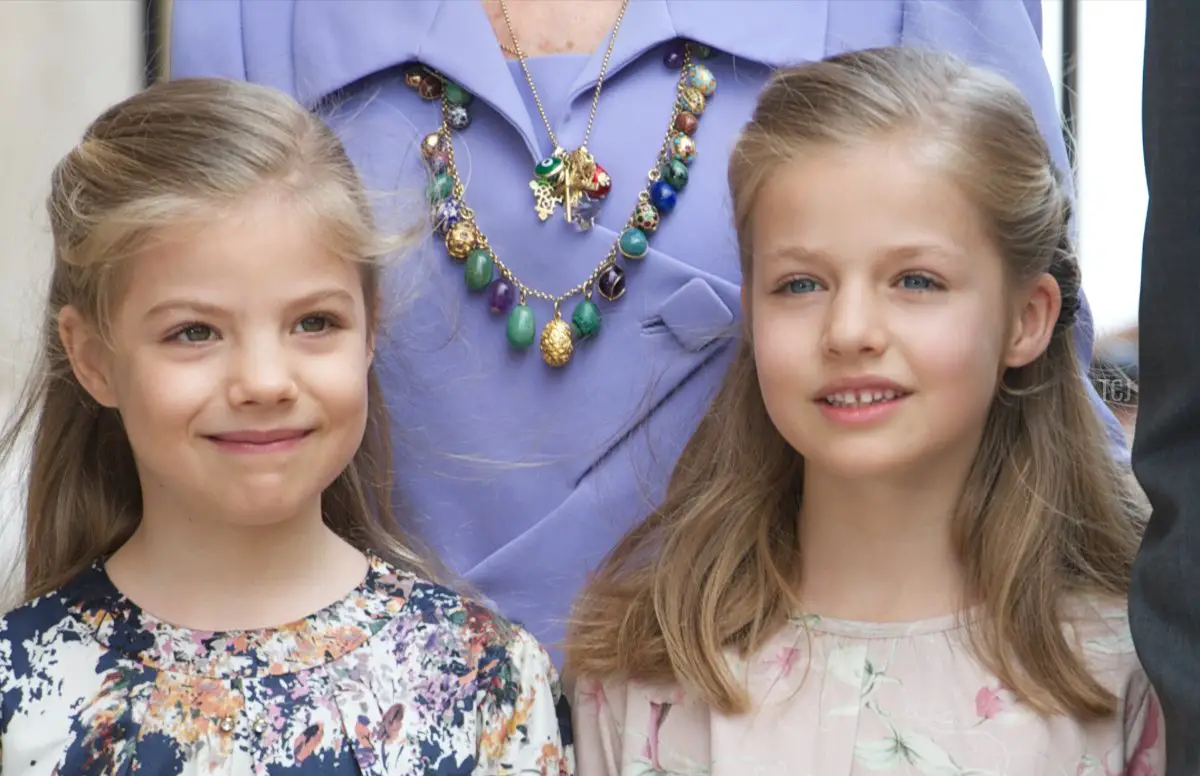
(400, 677)
(836, 698)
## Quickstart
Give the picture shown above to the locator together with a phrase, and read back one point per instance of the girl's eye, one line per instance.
(917, 282)
(314, 324)
(196, 332)
(802, 286)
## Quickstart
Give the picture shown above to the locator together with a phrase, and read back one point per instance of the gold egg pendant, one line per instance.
(556, 343)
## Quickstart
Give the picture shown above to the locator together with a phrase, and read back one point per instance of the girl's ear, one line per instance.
(1033, 321)
(90, 357)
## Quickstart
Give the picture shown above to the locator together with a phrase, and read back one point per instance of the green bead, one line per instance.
(479, 269)
(521, 327)
(440, 187)
(675, 173)
(633, 244)
(549, 169)
(457, 95)
(700, 51)
(586, 319)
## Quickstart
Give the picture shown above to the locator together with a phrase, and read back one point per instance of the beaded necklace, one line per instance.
(484, 271)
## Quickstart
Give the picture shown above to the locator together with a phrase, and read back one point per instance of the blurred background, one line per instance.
(63, 61)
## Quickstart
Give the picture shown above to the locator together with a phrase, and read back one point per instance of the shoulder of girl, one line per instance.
(1099, 626)
(29, 625)
(474, 625)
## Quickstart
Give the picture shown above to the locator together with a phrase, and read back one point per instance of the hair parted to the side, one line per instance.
(1047, 512)
(181, 152)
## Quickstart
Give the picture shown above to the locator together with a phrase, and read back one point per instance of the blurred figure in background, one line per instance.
(1165, 608)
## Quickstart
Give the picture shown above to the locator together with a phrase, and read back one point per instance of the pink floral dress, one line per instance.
(834, 698)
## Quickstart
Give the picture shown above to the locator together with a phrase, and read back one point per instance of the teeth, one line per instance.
(859, 398)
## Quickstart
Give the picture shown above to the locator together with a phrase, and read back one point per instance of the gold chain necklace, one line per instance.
(567, 177)
(507, 295)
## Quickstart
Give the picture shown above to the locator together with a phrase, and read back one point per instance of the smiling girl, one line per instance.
(215, 579)
(898, 542)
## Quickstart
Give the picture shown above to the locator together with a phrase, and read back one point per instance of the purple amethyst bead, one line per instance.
(501, 296)
(673, 56)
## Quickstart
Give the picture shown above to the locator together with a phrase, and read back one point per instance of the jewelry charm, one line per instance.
(460, 239)
(565, 179)
(520, 327)
(579, 176)
(556, 344)
(576, 182)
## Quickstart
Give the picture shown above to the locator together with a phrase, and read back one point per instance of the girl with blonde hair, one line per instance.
(215, 577)
(898, 541)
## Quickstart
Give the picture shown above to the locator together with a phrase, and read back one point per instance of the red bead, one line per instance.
(686, 123)
(602, 182)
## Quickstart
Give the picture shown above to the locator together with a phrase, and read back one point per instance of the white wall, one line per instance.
(1112, 183)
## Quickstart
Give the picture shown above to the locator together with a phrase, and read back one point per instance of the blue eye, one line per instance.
(917, 282)
(802, 286)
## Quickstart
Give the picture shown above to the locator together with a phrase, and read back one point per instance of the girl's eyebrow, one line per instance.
(324, 295)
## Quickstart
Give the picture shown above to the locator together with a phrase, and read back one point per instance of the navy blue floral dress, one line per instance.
(399, 677)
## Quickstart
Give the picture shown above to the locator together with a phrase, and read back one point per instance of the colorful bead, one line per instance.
(673, 56)
(460, 239)
(413, 77)
(611, 283)
(586, 319)
(521, 327)
(601, 183)
(549, 169)
(431, 144)
(584, 215)
(645, 217)
(446, 214)
(683, 148)
(457, 117)
(633, 244)
(501, 296)
(686, 123)
(479, 269)
(457, 95)
(691, 100)
(556, 344)
(440, 187)
(439, 162)
(663, 197)
(430, 88)
(675, 173)
(701, 79)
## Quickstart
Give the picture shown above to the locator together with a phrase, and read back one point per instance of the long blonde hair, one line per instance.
(1046, 511)
(180, 151)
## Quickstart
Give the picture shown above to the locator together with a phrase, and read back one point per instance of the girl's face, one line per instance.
(238, 362)
(880, 313)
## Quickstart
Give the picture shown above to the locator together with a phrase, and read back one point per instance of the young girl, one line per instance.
(898, 542)
(215, 581)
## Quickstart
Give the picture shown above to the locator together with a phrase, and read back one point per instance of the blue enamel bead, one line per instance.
(663, 196)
